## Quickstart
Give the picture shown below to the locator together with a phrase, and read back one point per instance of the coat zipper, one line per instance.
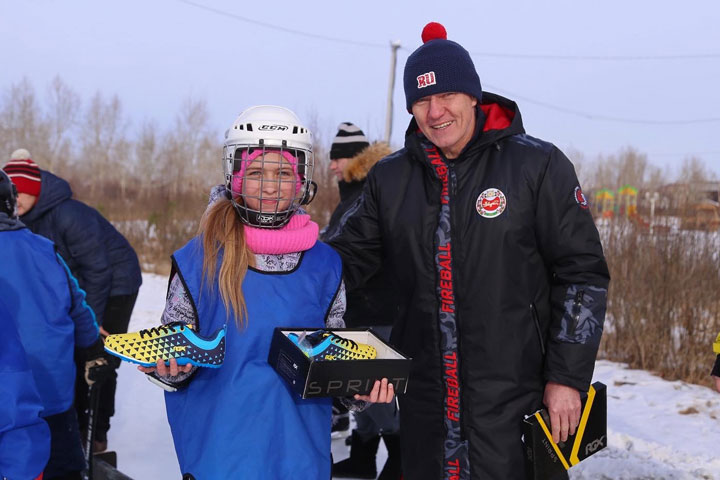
(536, 320)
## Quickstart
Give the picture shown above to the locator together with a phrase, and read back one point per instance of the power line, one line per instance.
(283, 29)
(605, 58)
(569, 111)
(621, 58)
(608, 58)
(594, 116)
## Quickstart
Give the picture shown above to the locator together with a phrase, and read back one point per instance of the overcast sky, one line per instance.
(593, 77)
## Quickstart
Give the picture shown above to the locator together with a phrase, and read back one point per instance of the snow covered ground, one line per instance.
(656, 429)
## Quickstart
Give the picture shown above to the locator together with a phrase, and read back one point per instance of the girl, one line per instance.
(255, 265)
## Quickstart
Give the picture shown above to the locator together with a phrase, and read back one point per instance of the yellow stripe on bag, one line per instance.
(716, 345)
(574, 460)
(549, 436)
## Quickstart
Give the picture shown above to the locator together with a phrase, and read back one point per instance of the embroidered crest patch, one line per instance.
(491, 203)
(580, 198)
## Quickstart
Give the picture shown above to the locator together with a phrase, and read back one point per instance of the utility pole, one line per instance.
(389, 113)
(652, 198)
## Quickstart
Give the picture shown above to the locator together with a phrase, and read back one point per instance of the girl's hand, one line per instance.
(164, 371)
(382, 392)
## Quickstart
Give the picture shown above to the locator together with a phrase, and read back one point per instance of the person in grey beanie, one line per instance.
(497, 268)
(351, 158)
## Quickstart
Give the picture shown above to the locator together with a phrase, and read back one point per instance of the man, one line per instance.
(498, 269)
(24, 435)
(48, 310)
(351, 158)
(102, 260)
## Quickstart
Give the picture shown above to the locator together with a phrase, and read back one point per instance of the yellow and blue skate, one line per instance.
(324, 345)
(174, 340)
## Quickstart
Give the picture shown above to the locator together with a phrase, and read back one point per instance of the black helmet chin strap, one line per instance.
(309, 191)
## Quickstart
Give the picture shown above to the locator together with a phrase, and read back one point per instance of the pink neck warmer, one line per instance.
(298, 235)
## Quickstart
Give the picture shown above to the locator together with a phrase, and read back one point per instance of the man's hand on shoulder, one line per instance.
(563, 405)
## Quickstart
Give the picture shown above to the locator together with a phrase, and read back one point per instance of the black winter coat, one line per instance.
(374, 303)
(529, 286)
(97, 254)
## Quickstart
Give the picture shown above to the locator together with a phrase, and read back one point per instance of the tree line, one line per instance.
(153, 182)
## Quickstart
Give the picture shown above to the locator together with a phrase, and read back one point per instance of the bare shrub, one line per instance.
(663, 307)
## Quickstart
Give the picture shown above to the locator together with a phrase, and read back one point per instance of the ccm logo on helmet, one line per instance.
(426, 79)
(273, 127)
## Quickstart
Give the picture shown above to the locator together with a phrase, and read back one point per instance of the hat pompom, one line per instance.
(433, 31)
(20, 154)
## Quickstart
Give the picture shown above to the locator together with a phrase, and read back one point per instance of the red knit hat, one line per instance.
(23, 172)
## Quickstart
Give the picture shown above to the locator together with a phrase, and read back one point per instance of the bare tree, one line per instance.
(104, 147)
(63, 111)
(694, 170)
(190, 150)
(148, 168)
(23, 123)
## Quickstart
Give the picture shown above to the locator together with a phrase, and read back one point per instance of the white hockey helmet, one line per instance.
(270, 136)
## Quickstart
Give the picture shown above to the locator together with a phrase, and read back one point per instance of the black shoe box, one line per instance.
(549, 460)
(337, 378)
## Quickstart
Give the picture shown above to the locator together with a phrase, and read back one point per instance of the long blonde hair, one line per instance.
(222, 231)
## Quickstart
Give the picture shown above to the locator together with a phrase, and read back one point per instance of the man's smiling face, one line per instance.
(447, 120)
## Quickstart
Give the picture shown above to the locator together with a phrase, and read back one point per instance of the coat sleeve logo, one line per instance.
(491, 203)
(580, 198)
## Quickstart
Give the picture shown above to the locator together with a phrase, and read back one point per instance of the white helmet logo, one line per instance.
(273, 128)
(491, 203)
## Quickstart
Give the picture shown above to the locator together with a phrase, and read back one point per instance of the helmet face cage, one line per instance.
(8, 196)
(267, 184)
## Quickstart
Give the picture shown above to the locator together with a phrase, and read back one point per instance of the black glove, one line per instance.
(97, 367)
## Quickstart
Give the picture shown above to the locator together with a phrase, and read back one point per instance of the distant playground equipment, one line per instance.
(623, 203)
(610, 204)
(604, 204)
(627, 201)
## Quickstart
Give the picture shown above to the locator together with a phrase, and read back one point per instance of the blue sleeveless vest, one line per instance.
(241, 421)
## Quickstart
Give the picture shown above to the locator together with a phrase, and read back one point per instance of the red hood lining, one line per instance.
(497, 117)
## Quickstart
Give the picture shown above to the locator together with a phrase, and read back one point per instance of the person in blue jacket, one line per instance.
(102, 260)
(256, 265)
(51, 316)
(24, 435)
